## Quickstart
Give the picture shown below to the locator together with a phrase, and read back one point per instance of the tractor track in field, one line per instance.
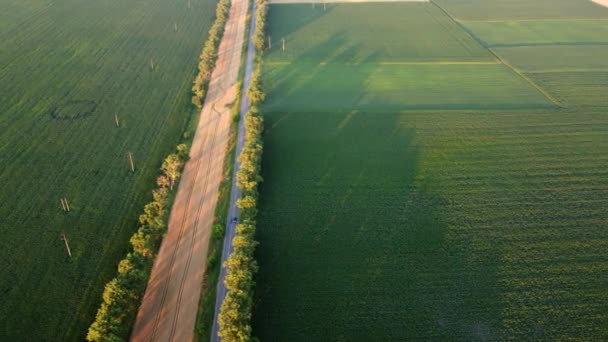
(179, 268)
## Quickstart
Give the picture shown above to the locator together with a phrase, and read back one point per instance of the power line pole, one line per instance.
(269, 42)
(283, 39)
(67, 245)
(116, 120)
(64, 204)
(131, 161)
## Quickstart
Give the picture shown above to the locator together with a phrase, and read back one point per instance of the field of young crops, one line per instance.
(380, 221)
(66, 69)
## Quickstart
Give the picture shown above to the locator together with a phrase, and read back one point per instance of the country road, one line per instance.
(235, 192)
(170, 304)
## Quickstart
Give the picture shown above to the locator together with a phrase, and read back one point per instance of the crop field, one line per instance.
(398, 86)
(542, 32)
(590, 58)
(353, 34)
(66, 69)
(479, 215)
(523, 9)
(324, 68)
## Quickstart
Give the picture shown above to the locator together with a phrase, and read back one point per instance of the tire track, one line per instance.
(183, 224)
(195, 229)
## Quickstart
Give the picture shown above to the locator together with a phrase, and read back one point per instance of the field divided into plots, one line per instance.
(66, 69)
(432, 198)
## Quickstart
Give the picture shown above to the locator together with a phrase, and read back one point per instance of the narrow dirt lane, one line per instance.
(235, 192)
(170, 304)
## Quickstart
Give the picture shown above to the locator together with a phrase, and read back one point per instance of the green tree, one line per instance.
(172, 168)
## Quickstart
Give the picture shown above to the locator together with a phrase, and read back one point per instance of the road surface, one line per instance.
(170, 304)
(235, 192)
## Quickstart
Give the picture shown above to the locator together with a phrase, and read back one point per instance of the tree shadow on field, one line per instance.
(319, 79)
(282, 22)
(355, 245)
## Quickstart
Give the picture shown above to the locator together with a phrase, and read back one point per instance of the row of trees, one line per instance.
(259, 36)
(122, 295)
(209, 53)
(235, 313)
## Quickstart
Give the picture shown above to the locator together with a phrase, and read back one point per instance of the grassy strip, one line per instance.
(122, 295)
(235, 313)
(206, 308)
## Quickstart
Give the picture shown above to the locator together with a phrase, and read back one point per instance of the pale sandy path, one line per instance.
(345, 1)
(601, 2)
(170, 304)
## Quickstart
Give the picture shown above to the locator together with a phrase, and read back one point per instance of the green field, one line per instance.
(66, 68)
(373, 86)
(332, 35)
(554, 58)
(541, 32)
(523, 9)
(383, 222)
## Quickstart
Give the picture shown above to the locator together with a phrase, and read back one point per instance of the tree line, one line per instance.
(235, 312)
(122, 295)
(208, 55)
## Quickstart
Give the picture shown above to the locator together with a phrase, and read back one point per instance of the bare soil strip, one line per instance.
(336, 1)
(170, 304)
(601, 2)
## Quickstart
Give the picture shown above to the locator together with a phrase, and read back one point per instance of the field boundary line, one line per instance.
(528, 20)
(551, 71)
(515, 70)
(401, 63)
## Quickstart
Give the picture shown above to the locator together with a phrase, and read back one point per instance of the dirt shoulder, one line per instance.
(170, 304)
(336, 1)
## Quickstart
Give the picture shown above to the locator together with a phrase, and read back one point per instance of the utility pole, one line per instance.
(324, 8)
(188, 3)
(175, 25)
(116, 120)
(151, 64)
(67, 245)
(269, 42)
(283, 39)
(64, 204)
(131, 161)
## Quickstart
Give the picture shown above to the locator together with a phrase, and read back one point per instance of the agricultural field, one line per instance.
(66, 69)
(426, 201)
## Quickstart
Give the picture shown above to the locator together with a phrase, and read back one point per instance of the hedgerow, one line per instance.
(235, 313)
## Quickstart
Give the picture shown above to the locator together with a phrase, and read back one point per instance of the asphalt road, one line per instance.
(235, 192)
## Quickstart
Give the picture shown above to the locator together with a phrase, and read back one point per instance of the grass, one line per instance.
(385, 222)
(62, 84)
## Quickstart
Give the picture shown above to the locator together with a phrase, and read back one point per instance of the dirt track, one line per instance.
(601, 2)
(345, 1)
(170, 304)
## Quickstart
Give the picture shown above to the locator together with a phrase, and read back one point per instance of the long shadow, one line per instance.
(354, 246)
